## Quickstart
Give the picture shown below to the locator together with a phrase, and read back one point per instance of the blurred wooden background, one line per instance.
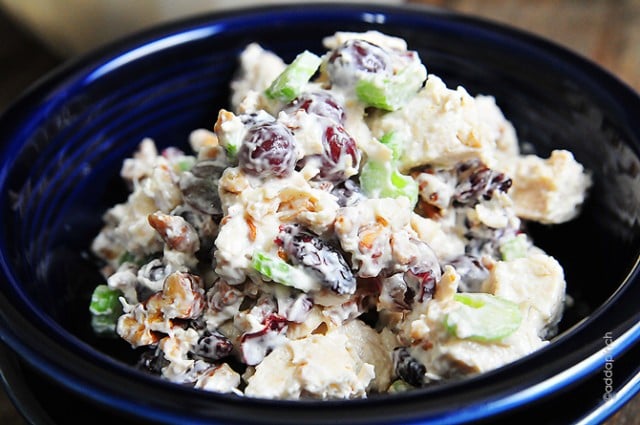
(605, 31)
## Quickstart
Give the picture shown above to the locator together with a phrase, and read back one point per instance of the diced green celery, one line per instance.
(383, 180)
(482, 317)
(394, 142)
(232, 150)
(393, 92)
(288, 85)
(104, 325)
(126, 257)
(105, 301)
(231, 142)
(514, 248)
(399, 386)
(105, 309)
(272, 268)
(186, 163)
(276, 269)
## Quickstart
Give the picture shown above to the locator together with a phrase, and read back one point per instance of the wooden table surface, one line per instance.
(607, 32)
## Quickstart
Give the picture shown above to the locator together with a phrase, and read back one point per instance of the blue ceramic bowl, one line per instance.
(63, 143)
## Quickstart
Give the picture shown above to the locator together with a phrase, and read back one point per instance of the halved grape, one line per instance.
(268, 150)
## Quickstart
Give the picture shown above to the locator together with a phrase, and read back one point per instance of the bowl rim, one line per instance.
(55, 361)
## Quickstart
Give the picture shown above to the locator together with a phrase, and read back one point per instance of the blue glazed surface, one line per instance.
(65, 139)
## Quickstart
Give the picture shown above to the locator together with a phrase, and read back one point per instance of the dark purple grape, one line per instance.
(315, 255)
(319, 103)
(354, 56)
(423, 273)
(422, 281)
(476, 181)
(337, 145)
(213, 346)
(199, 187)
(408, 368)
(472, 273)
(152, 361)
(268, 150)
(348, 193)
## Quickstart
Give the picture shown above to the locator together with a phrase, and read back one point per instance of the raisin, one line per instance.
(318, 257)
(478, 182)
(408, 368)
(268, 150)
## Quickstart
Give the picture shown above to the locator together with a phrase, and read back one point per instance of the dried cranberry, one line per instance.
(321, 259)
(476, 181)
(408, 368)
(318, 103)
(340, 152)
(268, 150)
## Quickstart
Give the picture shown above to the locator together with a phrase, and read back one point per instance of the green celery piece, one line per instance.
(288, 85)
(399, 386)
(104, 325)
(230, 142)
(276, 269)
(393, 92)
(186, 163)
(126, 257)
(514, 248)
(272, 268)
(483, 317)
(383, 180)
(105, 310)
(232, 150)
(394, 142)
(105, 301)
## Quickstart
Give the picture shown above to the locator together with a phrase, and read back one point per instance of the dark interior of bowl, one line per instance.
(66, 173)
